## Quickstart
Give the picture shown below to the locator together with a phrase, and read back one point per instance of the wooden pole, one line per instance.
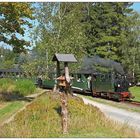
(64, 103)
(58, 69)
(67, 73)
(64, 113)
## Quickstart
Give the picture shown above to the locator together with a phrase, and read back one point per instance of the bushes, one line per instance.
(20, 87)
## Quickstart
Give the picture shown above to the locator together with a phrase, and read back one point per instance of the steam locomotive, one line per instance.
(111, 84)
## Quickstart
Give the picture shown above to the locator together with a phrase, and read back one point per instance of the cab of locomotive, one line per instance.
(121, 83)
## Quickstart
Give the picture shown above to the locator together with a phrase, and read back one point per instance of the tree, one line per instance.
(104, 29)
(108, 29)
(130, 57)
(61, 29)
(34, 63)
(14, 18)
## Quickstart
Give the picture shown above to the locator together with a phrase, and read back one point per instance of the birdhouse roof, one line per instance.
(64, 58)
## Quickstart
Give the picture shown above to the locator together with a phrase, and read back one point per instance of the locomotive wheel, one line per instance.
(120, 98)
(109, 95)
(94, 94)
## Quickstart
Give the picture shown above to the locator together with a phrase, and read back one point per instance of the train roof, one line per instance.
(90, 63)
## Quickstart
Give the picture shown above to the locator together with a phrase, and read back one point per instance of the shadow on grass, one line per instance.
(16, 96)
(58, 110)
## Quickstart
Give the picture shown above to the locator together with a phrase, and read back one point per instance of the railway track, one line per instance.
(134, 103)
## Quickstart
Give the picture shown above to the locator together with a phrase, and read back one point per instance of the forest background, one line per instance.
(108, 29)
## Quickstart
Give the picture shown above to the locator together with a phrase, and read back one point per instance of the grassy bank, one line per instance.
(9, 109)
(135, 92)
(11, 89)
(42, 119)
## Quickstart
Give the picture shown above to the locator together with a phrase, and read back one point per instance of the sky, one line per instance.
(135, 6)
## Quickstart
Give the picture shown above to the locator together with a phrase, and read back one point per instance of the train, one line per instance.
(112, 84)
(104, 85)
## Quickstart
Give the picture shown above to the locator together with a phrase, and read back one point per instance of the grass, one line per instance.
(10, 109)
(42, 119)
(135, 92)
(11, 89)
(25, 87)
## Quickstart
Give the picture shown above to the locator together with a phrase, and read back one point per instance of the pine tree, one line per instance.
(108, 29)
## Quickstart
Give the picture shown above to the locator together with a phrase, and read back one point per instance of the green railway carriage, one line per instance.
(79, 83)
(50, 81)
(105, 85)
(93, 82)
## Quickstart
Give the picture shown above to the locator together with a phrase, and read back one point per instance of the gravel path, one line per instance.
(121, 115)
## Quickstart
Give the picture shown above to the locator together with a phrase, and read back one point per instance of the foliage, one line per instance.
(62, 31)
(85, 121)
(131, 52)
(7, 58)
(35, 63)
(14, 19)
(108, 28)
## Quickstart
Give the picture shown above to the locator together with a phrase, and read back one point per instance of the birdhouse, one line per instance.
(64, 81)
(61, 81)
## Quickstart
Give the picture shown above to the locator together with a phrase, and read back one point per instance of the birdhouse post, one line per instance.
(64, 84)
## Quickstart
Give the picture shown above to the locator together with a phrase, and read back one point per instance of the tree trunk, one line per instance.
(64, 113)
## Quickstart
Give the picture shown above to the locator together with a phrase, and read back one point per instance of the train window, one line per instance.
(109, 76)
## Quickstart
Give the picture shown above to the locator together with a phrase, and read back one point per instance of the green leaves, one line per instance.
(14, 17)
